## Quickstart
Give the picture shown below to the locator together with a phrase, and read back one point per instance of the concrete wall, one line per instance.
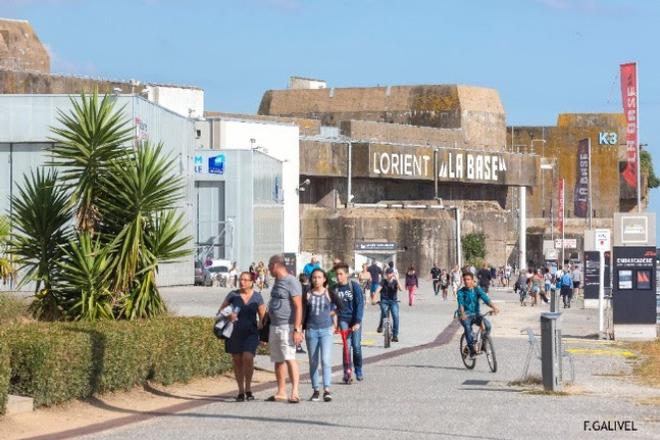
(401, 133)
(424, 236)
(20, 48)
(478, 111)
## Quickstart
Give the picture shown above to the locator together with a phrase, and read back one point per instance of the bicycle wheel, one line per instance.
(387, 333)
(465, 354)
(490, 353)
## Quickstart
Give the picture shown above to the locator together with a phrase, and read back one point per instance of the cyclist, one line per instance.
(389, 289)
(468, 309)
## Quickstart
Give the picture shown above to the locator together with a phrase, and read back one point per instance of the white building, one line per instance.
(274, 138)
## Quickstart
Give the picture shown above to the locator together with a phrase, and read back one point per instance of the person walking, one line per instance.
(244, 340)
(444, 284)
(455, 280)
(285, 313)
(412, 283)
(576, 274)
(233, 275)
(484, 276)
(350, 316)
(376, 274)
(566, 289)
(435, 277)
(332, 273)
(364, 278)
(319, 323)
(309, 267)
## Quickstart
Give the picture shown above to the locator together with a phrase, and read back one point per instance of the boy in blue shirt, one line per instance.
(469, 308)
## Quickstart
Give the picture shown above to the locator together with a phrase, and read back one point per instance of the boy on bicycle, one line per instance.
(388, 289)
(468, 309)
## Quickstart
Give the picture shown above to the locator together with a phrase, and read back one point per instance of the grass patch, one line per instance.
(13, 309)
(647, 370)
(529, 380)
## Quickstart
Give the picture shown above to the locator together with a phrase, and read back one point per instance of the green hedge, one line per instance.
(5, 371)
(56, 362)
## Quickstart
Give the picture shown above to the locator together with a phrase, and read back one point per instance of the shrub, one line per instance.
(474, 248)
(56, 362)
(5, 371)
(49, 363)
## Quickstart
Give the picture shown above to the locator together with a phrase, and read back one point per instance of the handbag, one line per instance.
(218, 328)
(265, 328)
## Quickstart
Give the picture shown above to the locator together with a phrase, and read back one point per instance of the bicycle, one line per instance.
(482, 344)
(387, 327)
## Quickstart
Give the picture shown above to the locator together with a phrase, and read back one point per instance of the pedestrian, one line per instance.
(319, 324)
(285, 313)
(390, 264)
(576, 274)
(244, 340)
(507, 274)
(332, 273)
(305, 286)
(444, 284)
(350, 316)
(521, 286)
(261, 275)
(455, 280)
(376, 274)
(484, 275)
(548, 282)
(233, 275)
(309, 267)
(389, 289)
(435, 276)
(566, 288)
(412, 283)
(364, 278)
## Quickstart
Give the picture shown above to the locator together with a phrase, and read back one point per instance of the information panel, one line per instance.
(591, 274)
(634, 299)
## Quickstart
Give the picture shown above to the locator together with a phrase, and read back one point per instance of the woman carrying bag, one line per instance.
(244, 339)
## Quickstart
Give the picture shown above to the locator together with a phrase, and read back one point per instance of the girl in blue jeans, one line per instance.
(319, 323)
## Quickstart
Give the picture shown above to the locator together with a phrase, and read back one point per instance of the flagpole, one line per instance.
(639, 158)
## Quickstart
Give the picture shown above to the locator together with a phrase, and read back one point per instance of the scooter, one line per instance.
(348, 372)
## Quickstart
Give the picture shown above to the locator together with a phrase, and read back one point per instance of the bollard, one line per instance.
(550, 351)
(554, 301)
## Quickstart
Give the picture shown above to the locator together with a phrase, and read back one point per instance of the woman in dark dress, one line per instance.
(244, 340)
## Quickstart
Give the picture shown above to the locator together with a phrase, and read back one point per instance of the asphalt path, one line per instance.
(418, 388)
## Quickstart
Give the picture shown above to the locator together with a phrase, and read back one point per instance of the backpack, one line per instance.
(566, 280)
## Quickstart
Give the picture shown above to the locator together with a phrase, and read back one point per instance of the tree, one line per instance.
(474, 248)
(93, 236)
(646, 165)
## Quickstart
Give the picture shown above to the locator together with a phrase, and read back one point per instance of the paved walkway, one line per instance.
(425, 392)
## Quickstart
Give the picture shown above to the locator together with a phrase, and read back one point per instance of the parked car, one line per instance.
(219, 274)
(203, 276)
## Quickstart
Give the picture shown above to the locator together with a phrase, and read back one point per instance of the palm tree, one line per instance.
(92, 135)
(138, 210)
(41, 213)
(6, 266)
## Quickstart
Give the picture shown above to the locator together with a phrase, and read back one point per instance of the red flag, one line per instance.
(560, 211)
(630, 110)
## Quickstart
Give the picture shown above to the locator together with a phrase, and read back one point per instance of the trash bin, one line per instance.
(551, 351)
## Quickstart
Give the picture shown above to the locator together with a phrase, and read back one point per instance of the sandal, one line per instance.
(294, 399)
(275, 399)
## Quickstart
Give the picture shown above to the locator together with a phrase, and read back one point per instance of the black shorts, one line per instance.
(576, 284)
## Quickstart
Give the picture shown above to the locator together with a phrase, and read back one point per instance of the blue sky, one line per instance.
(543, 56)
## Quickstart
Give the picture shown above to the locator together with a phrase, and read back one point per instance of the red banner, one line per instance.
(581, 190)
(560, 211)
(630, 110)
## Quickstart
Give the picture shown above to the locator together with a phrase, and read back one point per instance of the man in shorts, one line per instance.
(285, 313)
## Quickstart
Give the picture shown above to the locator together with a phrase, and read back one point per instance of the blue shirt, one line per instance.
(469, 299)
(352, 309)
(319, 311)
(309, 268)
